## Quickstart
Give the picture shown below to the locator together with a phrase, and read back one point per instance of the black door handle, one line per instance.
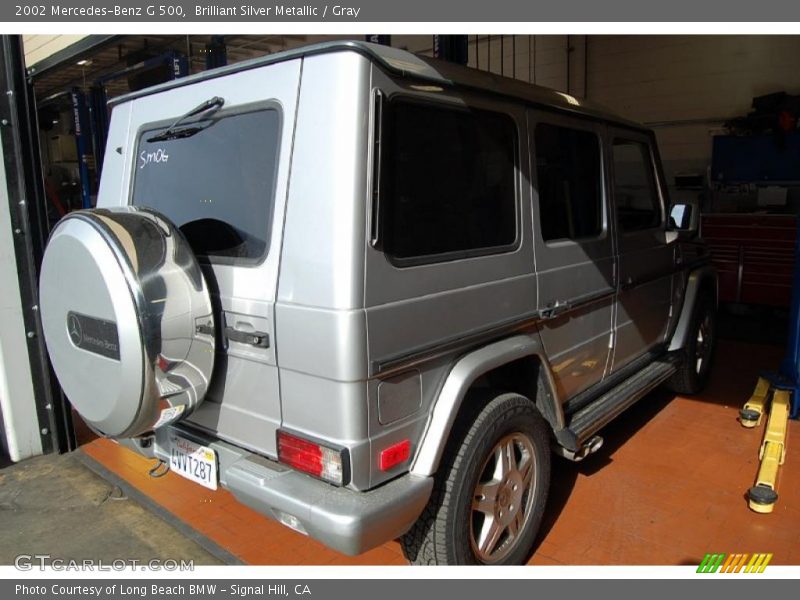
(259, 339)
(556, 308)
(205, 328)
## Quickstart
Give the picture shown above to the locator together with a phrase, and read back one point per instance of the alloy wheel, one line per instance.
(503, 497)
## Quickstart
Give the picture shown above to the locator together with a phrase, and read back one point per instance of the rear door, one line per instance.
(224, 186)
(646, 259)
(574, 248)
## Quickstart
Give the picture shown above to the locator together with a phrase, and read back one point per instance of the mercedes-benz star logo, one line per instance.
(74, 329)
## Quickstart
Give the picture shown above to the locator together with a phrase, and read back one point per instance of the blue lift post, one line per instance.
(98, 118)
(376, 38)
(788, 375)
(180, 64)
(781, 392)
(216, 52)
(454, 48)
(80, 119)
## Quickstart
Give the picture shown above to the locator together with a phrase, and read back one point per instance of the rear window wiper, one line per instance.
(172, 133)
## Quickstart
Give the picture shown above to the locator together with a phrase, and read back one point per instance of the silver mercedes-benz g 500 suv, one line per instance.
(369, 293)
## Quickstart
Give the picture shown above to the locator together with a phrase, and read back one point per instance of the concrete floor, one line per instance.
(667, 487)
(55, 505)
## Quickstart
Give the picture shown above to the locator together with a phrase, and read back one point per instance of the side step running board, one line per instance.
(590, 419)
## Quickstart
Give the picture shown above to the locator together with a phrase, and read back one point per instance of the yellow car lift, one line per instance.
(782, 390)
(762, 496)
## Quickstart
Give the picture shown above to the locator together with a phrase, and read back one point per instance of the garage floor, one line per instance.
(56, 506)
(667, 487)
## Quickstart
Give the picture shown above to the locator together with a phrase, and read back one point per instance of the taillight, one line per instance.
(329, 464)
(395, 454)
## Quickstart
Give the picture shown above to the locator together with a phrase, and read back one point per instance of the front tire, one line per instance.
(693, 373)
(490, 493)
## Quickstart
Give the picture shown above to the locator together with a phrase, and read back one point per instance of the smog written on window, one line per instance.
(215, 183)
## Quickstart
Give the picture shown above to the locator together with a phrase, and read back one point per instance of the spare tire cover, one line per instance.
(127, 319)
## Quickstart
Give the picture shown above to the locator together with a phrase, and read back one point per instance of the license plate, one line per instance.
(193, 461)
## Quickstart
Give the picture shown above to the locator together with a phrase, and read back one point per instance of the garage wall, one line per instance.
(539, 59)
(683, 86)
(686, 86)
(39, 47)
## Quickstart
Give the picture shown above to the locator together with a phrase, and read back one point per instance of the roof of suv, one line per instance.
(405, 64)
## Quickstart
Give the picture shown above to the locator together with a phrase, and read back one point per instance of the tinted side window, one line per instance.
(216, 185)
(448, 182)
(635, 194)
(568, 175)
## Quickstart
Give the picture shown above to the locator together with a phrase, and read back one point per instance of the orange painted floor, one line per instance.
(667, 487)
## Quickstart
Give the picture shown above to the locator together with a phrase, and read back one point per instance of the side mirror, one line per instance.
(684, 218)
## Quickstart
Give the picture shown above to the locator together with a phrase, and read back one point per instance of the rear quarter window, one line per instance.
(217, 185)
(448, 183)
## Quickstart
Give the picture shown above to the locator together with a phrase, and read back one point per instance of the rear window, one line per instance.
(217, 185)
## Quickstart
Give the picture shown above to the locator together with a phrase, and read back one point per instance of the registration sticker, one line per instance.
(168, 415)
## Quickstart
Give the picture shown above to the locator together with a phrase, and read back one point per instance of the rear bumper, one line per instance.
(345, 520)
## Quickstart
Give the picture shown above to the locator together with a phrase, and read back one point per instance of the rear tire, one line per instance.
(693, 373)
(490, 492)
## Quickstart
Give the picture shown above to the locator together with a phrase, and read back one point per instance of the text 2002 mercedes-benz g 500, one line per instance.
(369, 293)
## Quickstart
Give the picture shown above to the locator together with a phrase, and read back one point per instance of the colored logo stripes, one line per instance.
(734, 563)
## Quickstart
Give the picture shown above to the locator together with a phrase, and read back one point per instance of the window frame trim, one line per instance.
(464, 106)
(238, 109)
